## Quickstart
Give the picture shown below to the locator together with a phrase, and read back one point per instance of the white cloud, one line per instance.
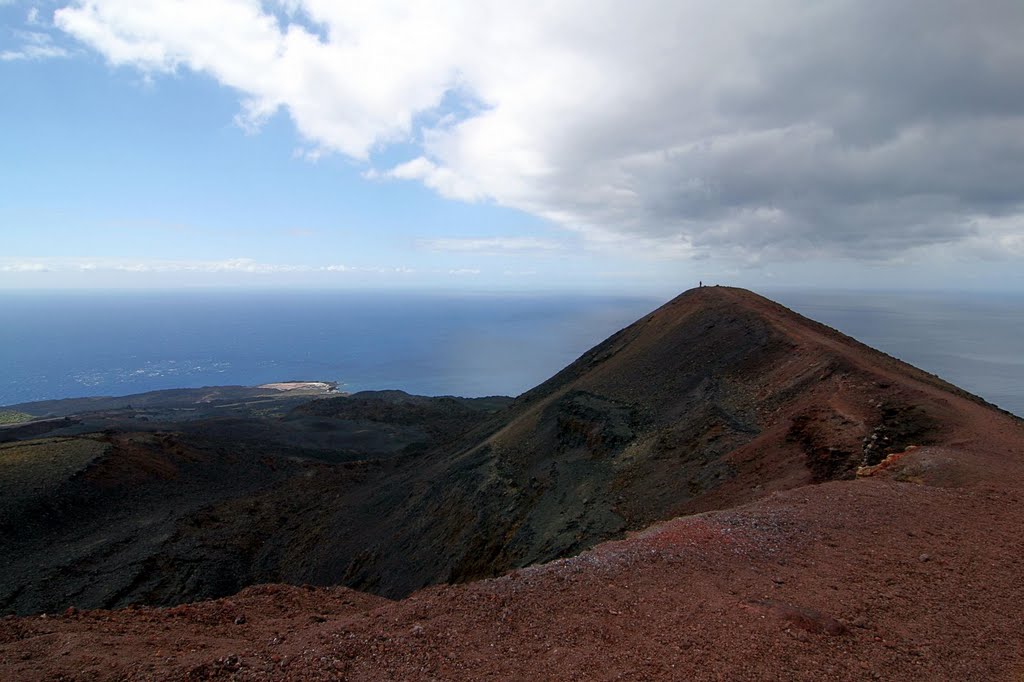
(345, 95)
(35, 46)
(446, 181)
(230, 265)
(23, 267)
(490, 245)
(990, 239)
(756, 129)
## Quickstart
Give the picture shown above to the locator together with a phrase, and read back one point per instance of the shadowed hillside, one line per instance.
(715, 399)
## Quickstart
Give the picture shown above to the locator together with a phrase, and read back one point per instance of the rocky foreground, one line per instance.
(847, 517)
(915, 573)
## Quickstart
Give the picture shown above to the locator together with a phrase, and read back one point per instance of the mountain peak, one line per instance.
(716, 399)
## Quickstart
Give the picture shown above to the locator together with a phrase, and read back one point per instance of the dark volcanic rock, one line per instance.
(718, 398)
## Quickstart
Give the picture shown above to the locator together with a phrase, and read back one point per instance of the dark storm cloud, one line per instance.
(863, 131)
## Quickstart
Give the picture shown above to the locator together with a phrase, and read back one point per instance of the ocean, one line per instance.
(973, 340)
(58, 346)
(65, 345)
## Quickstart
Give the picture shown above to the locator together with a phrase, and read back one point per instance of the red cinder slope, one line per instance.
(889, 577)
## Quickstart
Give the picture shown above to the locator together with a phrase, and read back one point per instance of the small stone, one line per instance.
(924, 557)
(798, 635)
(240, 620)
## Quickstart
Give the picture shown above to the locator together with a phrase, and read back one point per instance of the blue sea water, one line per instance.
(973, 340)
(62, 345)
(84, 344)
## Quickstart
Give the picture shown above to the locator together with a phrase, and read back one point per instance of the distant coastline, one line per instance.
(311, 386)
(58, 347)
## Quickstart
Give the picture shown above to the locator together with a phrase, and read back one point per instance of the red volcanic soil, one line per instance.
(913, 570)
(865, 579)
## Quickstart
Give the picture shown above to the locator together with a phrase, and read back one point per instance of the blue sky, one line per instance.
(300, 144)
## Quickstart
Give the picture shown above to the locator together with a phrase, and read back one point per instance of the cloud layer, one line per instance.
(229, 265)
(491, 245)
(34, 46)
(756, 129)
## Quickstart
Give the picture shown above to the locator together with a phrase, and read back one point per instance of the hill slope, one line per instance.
(716, 399)
(867, 527)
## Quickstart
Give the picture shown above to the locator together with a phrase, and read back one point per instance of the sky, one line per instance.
(600, 146)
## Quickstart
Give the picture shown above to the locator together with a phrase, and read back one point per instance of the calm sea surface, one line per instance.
(975, 341)
(57, 346)
(71, 345)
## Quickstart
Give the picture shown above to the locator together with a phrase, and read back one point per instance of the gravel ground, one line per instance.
(867, 579)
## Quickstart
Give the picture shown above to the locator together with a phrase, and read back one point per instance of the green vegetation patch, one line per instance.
(12, 417)
(32, 468)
